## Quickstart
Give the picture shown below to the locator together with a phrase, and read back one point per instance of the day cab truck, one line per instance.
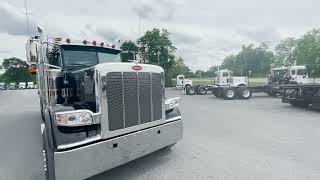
(230, 87)
(98, 112)
(182, 82)
(225, 86)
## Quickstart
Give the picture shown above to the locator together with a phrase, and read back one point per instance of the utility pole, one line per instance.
(139, 27)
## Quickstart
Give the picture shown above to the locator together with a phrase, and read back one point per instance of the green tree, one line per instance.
(16, 71)
(129, 48)
(212, 71)
(180, 68)
(285, 52)
(256, 59)
(307, 51)
(157, 48)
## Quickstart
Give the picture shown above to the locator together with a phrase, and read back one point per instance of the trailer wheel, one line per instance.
(202, 91)
(244, 93)
(229, 93)
(191, 90)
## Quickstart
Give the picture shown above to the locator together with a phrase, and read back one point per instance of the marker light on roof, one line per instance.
(68, 40)
(102, 44)
(94, 42)
(85, 42)
(57, 39)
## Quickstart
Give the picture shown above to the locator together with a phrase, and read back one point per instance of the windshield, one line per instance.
(279, 73)
(301, 72)
(86, 56)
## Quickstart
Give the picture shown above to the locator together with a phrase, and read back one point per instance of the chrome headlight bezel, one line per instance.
(74, 118)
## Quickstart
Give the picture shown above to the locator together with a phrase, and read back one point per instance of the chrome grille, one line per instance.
(115, 100)
(133, 98)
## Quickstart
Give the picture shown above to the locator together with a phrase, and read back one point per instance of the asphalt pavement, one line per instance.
(260, 138)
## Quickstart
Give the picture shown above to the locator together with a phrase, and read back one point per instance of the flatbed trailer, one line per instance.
(230, 92)
(302, 95)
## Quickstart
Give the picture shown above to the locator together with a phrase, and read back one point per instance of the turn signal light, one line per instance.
(32, 70)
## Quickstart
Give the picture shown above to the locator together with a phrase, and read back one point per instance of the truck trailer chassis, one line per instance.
(229, 92)
(302, 95)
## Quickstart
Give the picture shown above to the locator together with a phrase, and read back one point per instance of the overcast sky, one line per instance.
(204, 31)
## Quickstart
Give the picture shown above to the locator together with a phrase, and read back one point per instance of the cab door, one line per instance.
(302, 76)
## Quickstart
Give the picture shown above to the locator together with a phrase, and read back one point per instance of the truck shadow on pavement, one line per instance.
(138, 167)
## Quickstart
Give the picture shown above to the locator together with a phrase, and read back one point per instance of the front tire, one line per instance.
(47, 158)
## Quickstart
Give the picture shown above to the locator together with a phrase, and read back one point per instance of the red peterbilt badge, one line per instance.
(137, 67)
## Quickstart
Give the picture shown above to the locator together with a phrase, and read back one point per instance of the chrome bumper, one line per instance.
(93, 159)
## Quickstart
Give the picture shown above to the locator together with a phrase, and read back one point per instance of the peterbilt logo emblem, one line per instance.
(137, 67)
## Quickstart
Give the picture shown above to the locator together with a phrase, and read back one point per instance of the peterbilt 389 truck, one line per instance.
(98, 112)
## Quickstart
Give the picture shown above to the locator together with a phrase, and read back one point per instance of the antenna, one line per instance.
(28, 27)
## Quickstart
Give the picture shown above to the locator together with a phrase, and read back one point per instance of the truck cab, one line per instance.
(277, 75)
(298, 74)
(182, 82)
(225, 77)
(98, 112)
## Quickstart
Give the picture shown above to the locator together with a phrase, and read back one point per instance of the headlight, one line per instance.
(74, 118)
(172, 103)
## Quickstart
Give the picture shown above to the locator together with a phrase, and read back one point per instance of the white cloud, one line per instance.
(203, 31)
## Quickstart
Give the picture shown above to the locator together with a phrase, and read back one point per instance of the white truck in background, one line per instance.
(22, 85)
(182, 82)
(225, 77)
(30, 85)
(2, 86)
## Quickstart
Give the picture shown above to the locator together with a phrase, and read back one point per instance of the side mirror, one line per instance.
(32, 49)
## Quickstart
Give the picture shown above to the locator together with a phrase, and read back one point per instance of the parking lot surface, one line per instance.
(260, 138)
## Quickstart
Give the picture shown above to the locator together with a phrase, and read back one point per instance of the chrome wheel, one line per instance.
(230, 93)
(246, 93)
